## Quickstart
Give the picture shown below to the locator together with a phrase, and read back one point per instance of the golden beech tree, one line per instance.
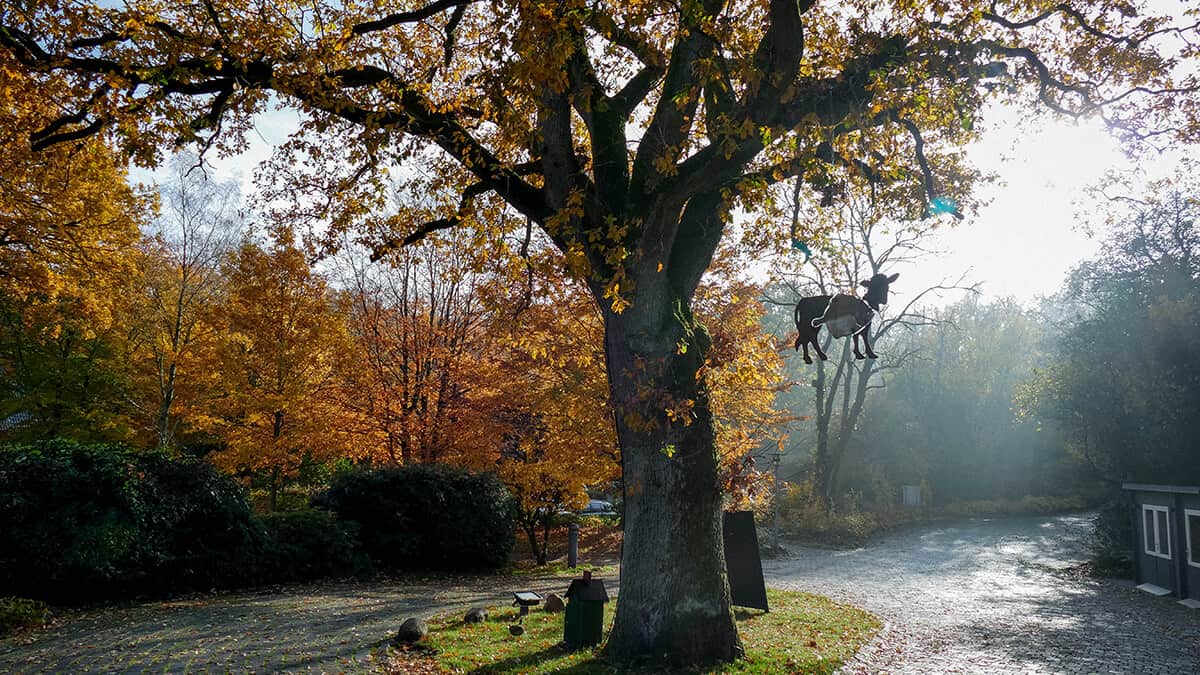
(68, 222)
(423, 349)
(550, 404)
(627, 132)
(275, 405)
(64, 350)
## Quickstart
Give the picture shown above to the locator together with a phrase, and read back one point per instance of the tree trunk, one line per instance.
(273, 492)
(529, 527)
(163, 426)
(547, 521)
(821, 459)
(674, 598)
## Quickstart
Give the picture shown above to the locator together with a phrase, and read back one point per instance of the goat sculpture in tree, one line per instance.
(844, 314)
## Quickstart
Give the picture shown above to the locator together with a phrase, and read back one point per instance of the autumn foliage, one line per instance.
(209, 338)
(628, 134)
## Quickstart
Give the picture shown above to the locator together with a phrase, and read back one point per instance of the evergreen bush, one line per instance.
(84, 522)
(311, 544)
(427, 516)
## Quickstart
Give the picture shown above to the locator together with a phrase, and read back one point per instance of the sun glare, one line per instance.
(1028, 234)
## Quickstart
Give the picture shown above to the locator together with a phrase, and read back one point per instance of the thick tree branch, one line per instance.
(609, 29)
(777, 60)
(671, 123)
(828, 101)
(636, 90)
(700, 230)
(41, 140)
(429, 227)
(430, 10)
(606, 128)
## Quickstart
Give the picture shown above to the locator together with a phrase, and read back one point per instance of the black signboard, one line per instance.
(746, 586)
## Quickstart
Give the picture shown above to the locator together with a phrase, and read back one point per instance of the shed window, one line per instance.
(1157, 533)
(1192, 518)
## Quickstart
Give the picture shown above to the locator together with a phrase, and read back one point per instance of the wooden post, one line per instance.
(775, 505)
(572, 545)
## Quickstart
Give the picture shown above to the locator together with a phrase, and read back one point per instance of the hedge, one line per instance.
(311, 544)
(85, 522)
(81, 522)
(427, 516)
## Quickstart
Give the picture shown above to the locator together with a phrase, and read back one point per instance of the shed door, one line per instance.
(1155, 556)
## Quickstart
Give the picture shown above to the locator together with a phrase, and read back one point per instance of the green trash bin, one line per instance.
(583, 623)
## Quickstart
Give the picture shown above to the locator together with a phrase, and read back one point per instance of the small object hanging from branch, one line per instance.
(797, 243)
(936, 205)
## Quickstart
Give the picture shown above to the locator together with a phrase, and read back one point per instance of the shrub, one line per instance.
(85, 522)
(19, 613)
(310, 544)
(1112, 540)
(427, 517)
(802, 515)
(1026, 506)
(197, 527)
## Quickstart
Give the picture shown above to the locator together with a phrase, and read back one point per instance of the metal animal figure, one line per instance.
(843, 314)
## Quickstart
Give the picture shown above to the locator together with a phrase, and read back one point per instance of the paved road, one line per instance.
(982, 596)
(327, 628)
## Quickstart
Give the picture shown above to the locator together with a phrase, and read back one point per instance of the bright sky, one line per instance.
(1032, 229)
(1026, 237)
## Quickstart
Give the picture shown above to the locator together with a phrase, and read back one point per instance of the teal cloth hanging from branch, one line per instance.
(802, 247)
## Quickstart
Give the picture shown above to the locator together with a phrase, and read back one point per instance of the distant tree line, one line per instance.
(167, 319)
(992, 400)
(1122, 381)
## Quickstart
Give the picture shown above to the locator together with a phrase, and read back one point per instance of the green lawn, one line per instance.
(559, 568)
(803, 633)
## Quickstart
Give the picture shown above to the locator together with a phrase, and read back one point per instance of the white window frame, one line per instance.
(1193, 557)
(1157, 535)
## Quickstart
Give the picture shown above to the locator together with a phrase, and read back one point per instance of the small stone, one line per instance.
(553, 603)
(475, 615)
(412, 630)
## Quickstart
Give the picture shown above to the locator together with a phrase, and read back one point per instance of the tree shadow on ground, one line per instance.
(331, 626)
(597, 665)
(1094, 625)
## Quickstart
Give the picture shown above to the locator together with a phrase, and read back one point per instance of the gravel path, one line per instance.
(981, 596)
(988, 596)
(328, 628)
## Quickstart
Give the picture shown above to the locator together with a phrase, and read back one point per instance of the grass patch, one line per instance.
(803, 633)
(559, 568)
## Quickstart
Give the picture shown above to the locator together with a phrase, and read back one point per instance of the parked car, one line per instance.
(598, 507)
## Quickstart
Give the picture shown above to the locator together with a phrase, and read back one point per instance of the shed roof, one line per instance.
(1177, 489)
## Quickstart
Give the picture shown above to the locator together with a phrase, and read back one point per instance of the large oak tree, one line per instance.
(627, 132)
